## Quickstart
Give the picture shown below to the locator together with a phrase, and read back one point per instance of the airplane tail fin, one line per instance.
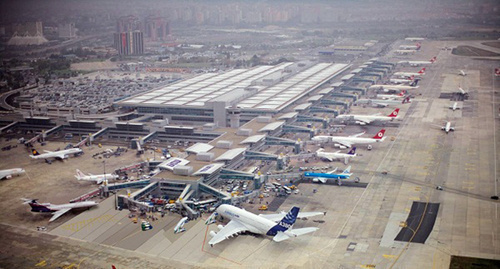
(35, 206)
(285, 223)
(497, 71)
(380, 134)
(422, 71)
(414, 83)
(433, 59)
(406, 100)
(34, 152)
(394, 113)
(79, 175)
(347, 170)
(352, 151)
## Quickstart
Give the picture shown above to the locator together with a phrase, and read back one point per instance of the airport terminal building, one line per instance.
(230, 98)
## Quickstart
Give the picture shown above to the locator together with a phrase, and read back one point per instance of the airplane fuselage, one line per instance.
(252, 222)
(61, 154)
(8, 173)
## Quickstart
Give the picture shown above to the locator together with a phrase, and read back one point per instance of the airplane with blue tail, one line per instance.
(279, 225)
(323, 177)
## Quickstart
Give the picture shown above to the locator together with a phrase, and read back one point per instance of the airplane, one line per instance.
(462, 73)
(179, 228)
(405, 52)
(410, 74)
(367, 119)
(279, 225)
(344, 142)
(56, 210)
(384, 102)
(386, 88)
(392, 96)
(414, 38)
(8, 173)
(405, 81)
(330, 156)
(418, 63)
(447, 127)
(323, 177)
(454, 106)
(410, 47)
(97, 178)
(61, 154)
(462, 91)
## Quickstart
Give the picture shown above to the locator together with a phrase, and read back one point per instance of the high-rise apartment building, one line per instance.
(129, 43)
(157, 28)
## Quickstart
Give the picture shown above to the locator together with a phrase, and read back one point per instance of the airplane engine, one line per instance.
(220, 227)
(340, 146)
(212, 233)
(360, 123)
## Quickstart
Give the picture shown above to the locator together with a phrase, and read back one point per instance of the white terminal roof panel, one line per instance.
(199, 147)
(172, 162)
(272, 126)
(357, 70)
(301, 107)
(253, 139)
(200, 89)
(325, 91)
(289, 115)
(337, 84)
(314, 98)
(295, 87)
(208, 169)
(230, 154)
(347, 77)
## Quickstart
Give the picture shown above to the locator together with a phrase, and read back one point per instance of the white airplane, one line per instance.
(8, 173)
(418, 63)
(462, 73)
(330, 156)
(367, 119)
(454, 106)
(387, 102)
(410, 74)
(97, 178)
(405, 51)
(179, 228)
(404, 81)
(447, 127)
(56, 210)
(392, 96)
(414, 38)
(410, 47)
(344, 142)
(280, 225)
(61, 154)
(386, 88)
(462, 91)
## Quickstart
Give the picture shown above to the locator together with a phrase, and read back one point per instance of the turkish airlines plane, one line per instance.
(367, 119)
(348, 141)
(410, 74)
(418, 63)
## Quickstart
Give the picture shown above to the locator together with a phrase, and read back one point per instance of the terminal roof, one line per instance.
(199, 147)
(272, 126)
(230, 154)
(253, 139)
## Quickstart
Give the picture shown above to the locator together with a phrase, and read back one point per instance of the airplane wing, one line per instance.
(231, 229)
(328, 158)
(380, 104)
(333, 171)
(279, 216)
(281, 236)
(59, 213)
(356, 135)
(47, 151)
(61, 156)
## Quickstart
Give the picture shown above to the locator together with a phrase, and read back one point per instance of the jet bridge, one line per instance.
(148, 137)
(318, 109)
(8, 127)
(304, 118)
(354, 97)
(272, 140)
(335, 102)
(98, 134)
